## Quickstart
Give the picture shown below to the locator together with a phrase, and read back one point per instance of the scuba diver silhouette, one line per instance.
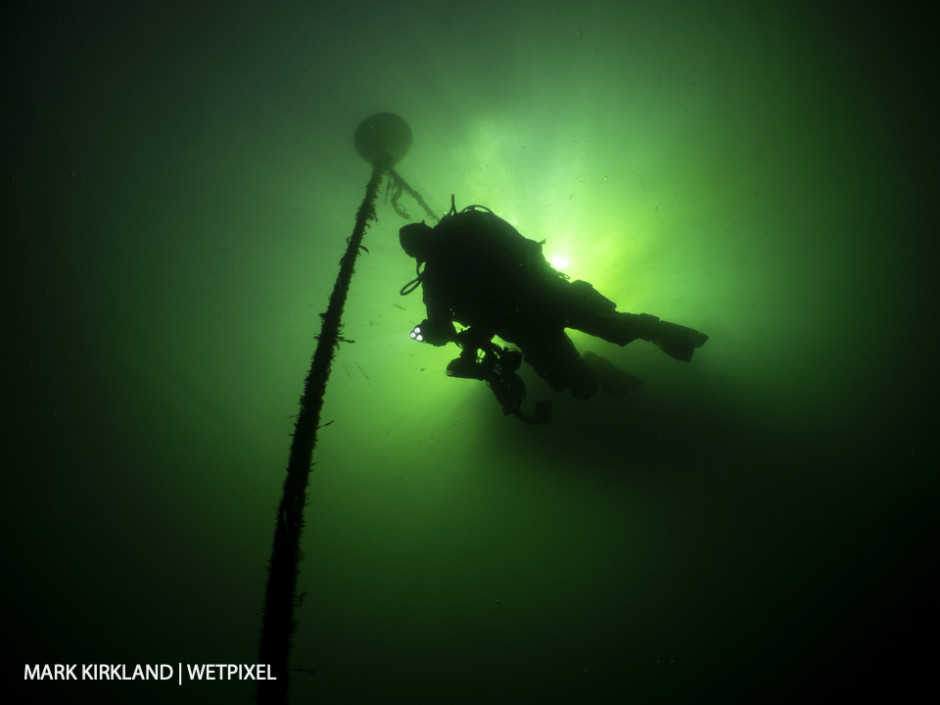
(480, 272)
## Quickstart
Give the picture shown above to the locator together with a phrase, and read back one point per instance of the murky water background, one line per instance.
(748, 527)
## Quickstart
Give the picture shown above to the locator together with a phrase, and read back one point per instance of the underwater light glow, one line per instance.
(559, 262)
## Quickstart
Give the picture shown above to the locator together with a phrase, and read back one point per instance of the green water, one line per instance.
(753, 526)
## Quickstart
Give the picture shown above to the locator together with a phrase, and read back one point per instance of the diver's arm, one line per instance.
(438, 329)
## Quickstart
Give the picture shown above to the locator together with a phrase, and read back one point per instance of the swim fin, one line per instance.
(677, 341)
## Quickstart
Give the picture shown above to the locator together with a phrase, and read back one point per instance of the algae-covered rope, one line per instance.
(402, 185)
(278, 622)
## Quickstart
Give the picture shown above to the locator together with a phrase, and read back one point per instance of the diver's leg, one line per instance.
(622, 328)
(615, 382)
(619, 328)
(585, 309)
(553, 356)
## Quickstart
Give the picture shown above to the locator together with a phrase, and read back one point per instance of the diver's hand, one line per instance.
(435, 332)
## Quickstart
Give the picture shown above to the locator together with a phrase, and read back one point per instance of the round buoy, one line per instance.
(383, 138)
